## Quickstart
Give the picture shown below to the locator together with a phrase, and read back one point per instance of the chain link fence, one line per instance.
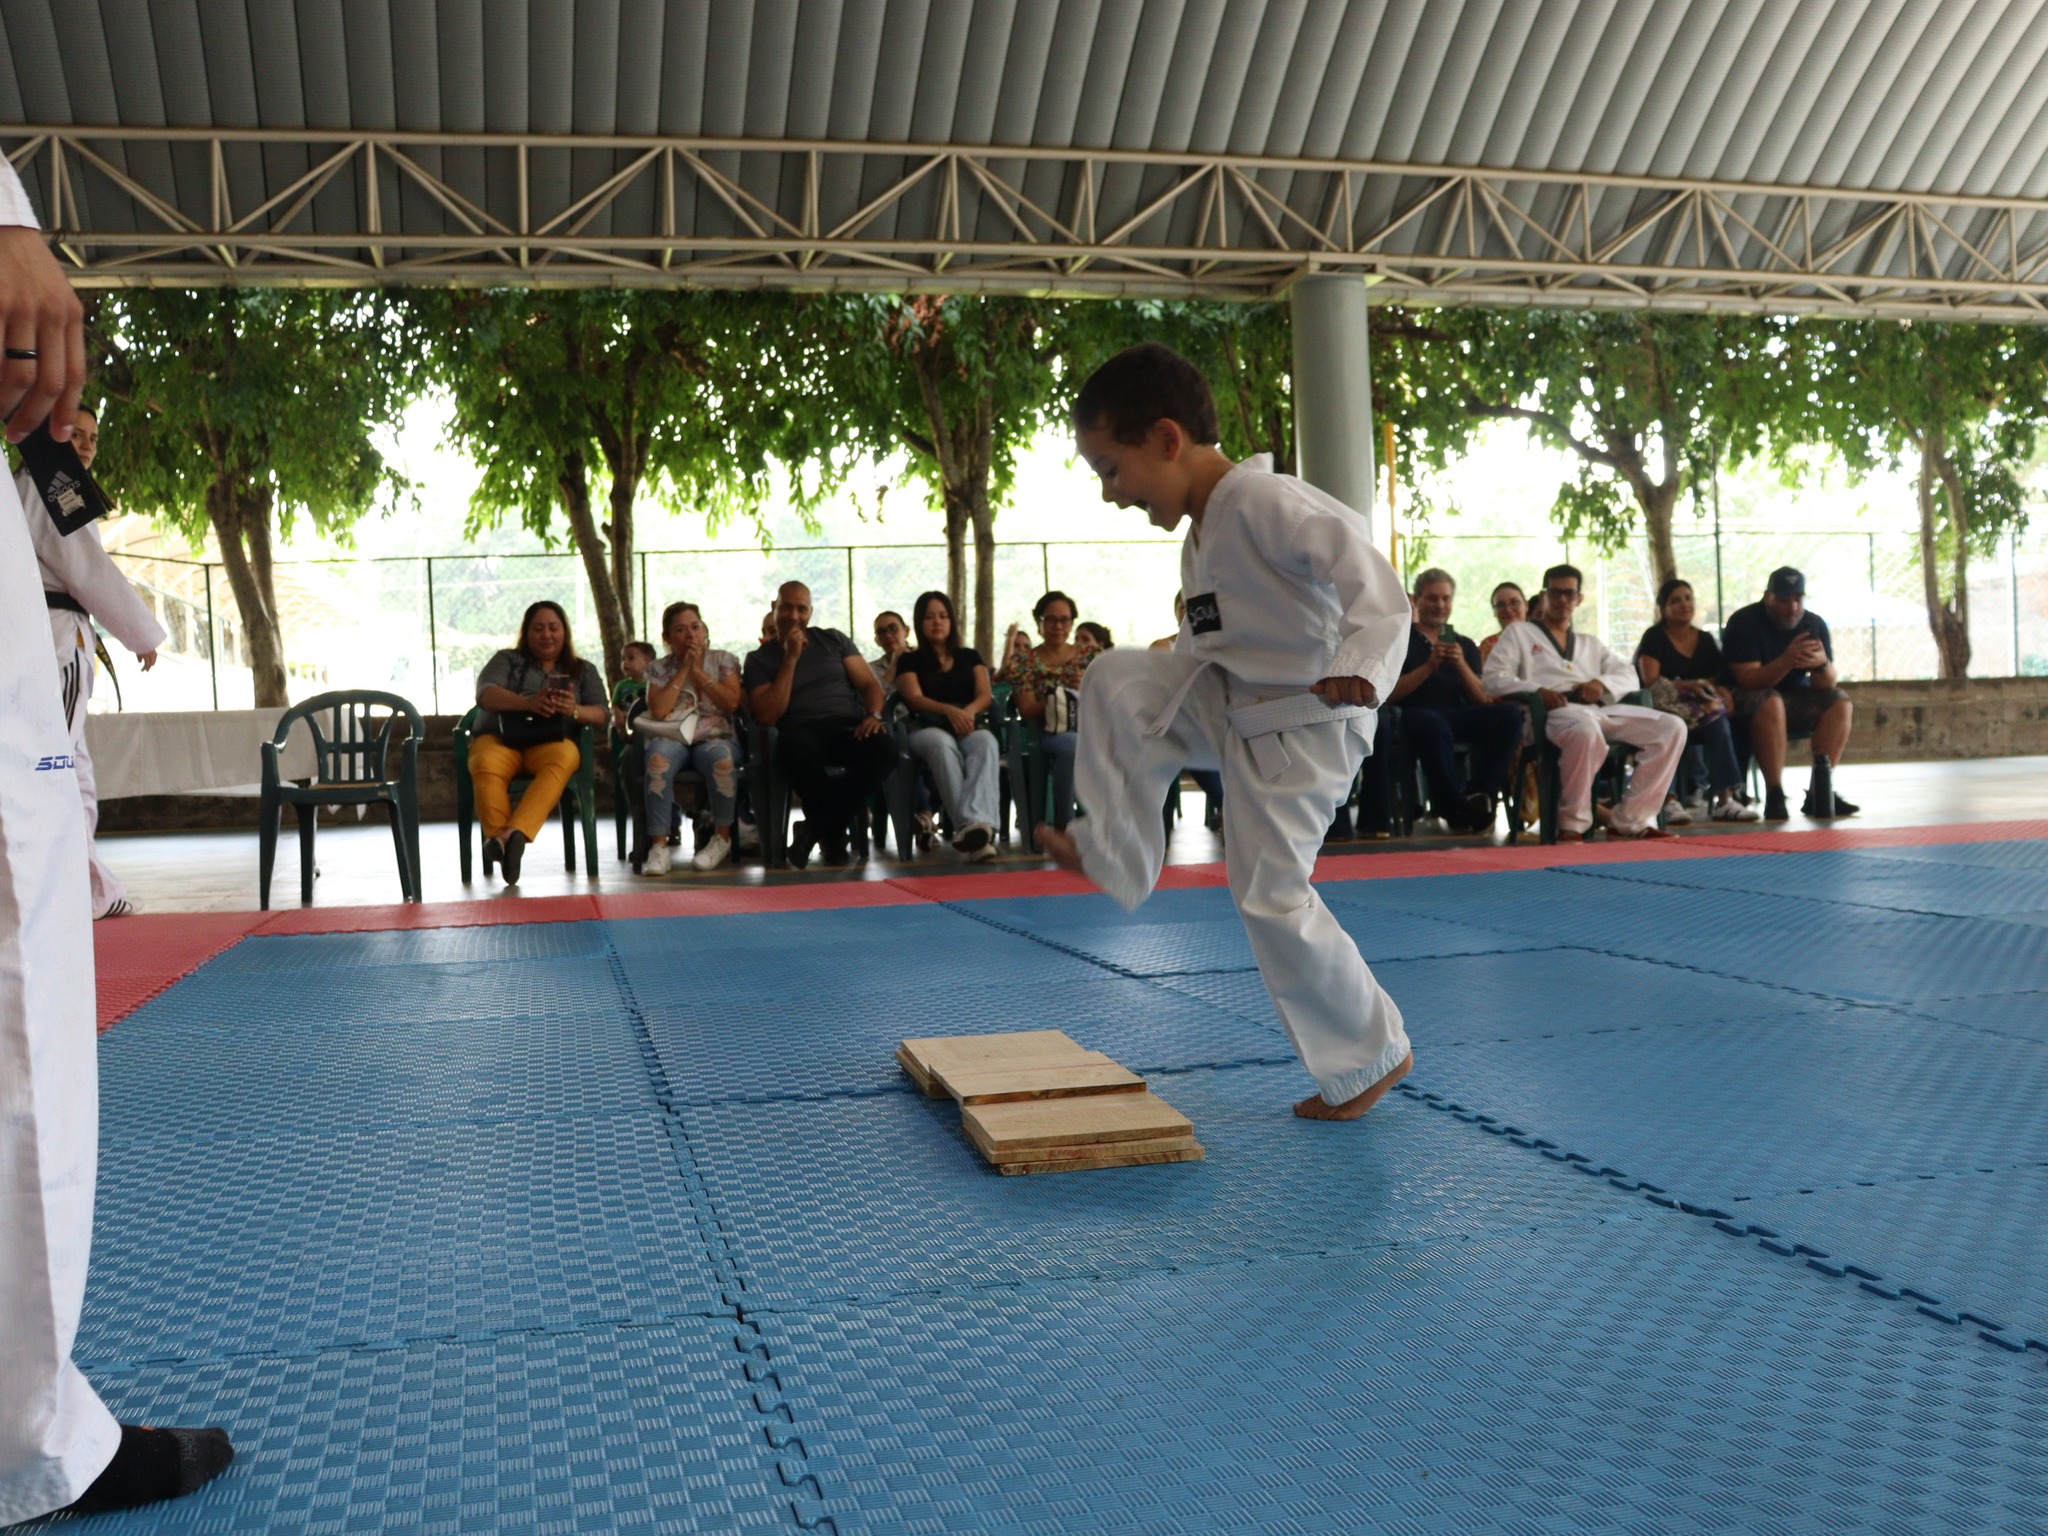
(424, 627)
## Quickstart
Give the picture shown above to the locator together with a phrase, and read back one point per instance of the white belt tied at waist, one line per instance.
(1259, 715)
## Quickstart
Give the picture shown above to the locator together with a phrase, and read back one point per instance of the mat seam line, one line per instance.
(1868, 1281)
(777, 1420)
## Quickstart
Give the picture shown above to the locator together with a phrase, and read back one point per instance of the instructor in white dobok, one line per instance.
(59, 1446)
(82, 584)
(1581, 682)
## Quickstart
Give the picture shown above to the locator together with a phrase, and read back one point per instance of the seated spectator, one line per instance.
(1782, 659)
(696, 689)
(1510, 606)
(1581, 682)
(814, 686)
(892, 635)
(634, 660)
(768, 626)
(530, 700)
(946, 687)
(1443, 705)
(1047, 678)
(1091, 636)
(1180, 618)
(1681, 666)
(1016, 643)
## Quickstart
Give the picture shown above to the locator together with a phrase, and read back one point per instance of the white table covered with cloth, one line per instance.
(189, 752)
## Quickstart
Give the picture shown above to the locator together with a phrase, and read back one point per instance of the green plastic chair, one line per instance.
(579, 797)
(351, 766)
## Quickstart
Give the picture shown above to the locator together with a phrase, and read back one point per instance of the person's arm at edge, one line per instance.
(1468, 679)
(725, 692)
(862, 676)
(1617, 675)
(38, 310)
(1503, 673)
(768, 702)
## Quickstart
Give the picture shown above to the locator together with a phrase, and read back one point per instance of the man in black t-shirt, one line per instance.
(1443, 705)
(814, 686)
(1782, 661)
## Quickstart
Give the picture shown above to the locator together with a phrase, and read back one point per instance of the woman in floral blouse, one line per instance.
(1045, 679)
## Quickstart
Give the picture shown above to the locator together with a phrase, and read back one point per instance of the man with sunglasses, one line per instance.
(1581, 682)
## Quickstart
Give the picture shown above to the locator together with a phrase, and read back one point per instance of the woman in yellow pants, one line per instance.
(530, 700)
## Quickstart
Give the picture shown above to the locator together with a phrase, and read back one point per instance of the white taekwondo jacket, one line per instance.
(1283, 589)
(1525, 659)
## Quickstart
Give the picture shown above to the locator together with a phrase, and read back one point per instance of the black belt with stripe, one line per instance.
(62, 600)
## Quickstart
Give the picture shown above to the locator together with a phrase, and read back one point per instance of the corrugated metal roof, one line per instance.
(1939, 97)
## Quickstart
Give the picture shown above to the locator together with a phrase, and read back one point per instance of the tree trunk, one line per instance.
(625, 486)
(240, 515)
(572, 480)
(980, 462)
(1658, 503)
(1947, 620)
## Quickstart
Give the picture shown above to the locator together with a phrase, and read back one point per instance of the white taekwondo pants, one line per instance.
(55, 1434)
(72, 634)
(1345, 1028)
(1581, 733)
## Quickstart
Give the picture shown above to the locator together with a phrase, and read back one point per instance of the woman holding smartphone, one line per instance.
(530, 700)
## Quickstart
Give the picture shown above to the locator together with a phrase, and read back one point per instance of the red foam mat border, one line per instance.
(138, 957)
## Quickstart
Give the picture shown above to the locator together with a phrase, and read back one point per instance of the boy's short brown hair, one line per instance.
(641, 646)
(1144, 385)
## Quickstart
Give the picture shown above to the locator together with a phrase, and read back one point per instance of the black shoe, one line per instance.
(1774, 806)
(515, 845)
(973, 838)
(1841, 808)
(834, 852)
(152, 1465)
(800, 845)
(1473, 815)
(493, 852)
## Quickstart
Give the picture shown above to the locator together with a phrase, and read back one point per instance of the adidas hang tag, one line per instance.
(70, 494)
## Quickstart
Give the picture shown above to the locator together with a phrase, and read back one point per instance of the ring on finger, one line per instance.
(22, 354)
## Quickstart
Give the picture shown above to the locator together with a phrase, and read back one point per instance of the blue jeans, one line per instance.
(1059, 748)
(717, 760)
(1717, 740)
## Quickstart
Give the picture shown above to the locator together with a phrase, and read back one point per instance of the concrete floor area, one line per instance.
(216, 871)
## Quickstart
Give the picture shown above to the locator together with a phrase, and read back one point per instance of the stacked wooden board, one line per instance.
(1038, 1101)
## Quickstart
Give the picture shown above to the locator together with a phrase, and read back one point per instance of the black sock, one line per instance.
(156, 1464)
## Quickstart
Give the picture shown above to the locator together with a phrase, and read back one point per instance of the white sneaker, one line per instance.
(120, 906)
(1729, 808)
(750, 837)
(1675, 813)
(713, 853)
(657, 859)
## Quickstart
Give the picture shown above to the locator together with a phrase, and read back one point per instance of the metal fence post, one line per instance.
(1871, 539)
(1720, 597)
(852, 617)
(645, 629)
(212, 639)
(1045, 566)
(2012, 549)
(433, 639)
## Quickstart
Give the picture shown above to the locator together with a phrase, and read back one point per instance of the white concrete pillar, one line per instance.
(1333, 391)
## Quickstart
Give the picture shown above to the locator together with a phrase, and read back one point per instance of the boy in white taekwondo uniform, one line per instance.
(1295, 628)
(1581, 683)
(81, 583)
(59, 1446)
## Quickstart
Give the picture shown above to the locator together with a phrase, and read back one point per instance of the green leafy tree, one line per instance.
(1961, 405)
(964, 383)
(1646, 400)
(234, 411)
(577, 403)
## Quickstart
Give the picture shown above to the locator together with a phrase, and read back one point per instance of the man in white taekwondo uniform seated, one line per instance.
(81, 584)
(1293, 631)
(59, 1446)
(1581, 682)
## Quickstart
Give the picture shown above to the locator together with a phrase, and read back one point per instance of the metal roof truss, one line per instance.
(194, 207)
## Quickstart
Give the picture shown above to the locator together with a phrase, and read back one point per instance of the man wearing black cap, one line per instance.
(1782, 659)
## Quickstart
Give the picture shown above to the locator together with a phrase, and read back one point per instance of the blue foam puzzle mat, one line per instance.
(1854, 879)
(1738, 1107)
(613, 1429)
(879, 926)
(2018, 853)
(1971, 1241)
(1649, 1376)
(1092, 913)
(347, 998)
(1536, 995)
(1448, 896)
(879, 1196)
(288, 954)
(290, 1243)
(759, 1049)
(177, 1078)
(2022, 1015)
(819, 971)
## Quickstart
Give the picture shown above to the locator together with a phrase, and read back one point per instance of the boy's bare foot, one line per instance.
(1313, 1107)
(1060, 847)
